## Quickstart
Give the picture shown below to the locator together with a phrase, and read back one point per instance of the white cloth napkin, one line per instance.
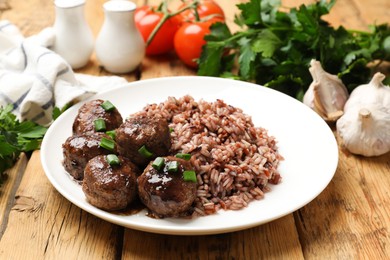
(35, 79)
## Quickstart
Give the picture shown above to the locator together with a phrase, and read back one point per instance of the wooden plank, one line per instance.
(352, 14)
(275, 240)
(12, 178)
(24, 15)
(358, 14)
(350, 218)
(49, 226)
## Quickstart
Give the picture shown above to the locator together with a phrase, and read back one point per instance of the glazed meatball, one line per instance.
(110, 187)
(166, 193)
(79, 149)
(151, 133)
(92, 110)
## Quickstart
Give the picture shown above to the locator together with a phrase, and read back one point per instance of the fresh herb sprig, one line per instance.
(16, 137)
(274, 48)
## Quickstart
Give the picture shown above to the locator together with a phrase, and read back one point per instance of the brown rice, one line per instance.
(234, 160)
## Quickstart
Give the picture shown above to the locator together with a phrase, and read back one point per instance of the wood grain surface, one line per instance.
(350, 219)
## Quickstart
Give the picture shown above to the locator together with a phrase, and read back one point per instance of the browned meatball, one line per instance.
(151, 132)
(79, 149)
(92, 110)
(166, 193)
(110, 187)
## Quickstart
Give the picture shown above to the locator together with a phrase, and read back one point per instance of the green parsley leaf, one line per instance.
(274, 48)
(266, 43)
(246, 59)
(16, 137)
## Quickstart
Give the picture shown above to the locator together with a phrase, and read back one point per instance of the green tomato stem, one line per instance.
(234, 38)
(168, 15)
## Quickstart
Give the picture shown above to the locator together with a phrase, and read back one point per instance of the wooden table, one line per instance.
(349, 219)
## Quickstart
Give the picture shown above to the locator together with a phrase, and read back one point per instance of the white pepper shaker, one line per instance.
(73, 38)
(120, 47)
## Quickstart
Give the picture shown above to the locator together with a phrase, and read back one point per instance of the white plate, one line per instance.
(304, 139)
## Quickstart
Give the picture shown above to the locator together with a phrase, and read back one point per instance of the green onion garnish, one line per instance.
(107, 105)
(112, 159)
(107, 144)
(111, 134)
(185, 156)
(171, 130)
(189, 176)
(173, 166)
(145, 152)
(100, 125)
(158, 163)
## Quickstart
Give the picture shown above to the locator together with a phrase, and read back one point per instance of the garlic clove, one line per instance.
(360, 135)
(308, 98)
(373, 92)
(326, 110)
(327, 94)
(365, 126)
(375, 142)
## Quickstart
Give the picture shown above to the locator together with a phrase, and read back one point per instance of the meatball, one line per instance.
(79, 149)
(110, 187)
(166, 193)
(92, 110)
(151, 133)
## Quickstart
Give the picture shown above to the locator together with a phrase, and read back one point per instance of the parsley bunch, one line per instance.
(16, 137)
(274, 48)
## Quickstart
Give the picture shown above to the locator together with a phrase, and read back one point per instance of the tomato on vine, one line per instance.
(147, 19)
(182, 30)
(189, 40)
(204, 9)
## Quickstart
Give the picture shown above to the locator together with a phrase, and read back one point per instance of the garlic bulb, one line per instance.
(365, 126)
(326, 94)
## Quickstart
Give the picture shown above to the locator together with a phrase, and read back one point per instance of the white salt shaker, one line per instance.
(120, 47)
(73, 38)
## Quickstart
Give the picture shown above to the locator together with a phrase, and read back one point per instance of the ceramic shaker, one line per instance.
(120, 47)
(73, 38)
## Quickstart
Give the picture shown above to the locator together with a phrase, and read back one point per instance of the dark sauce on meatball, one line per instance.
(151, 132)
(79, 149)
(110, 187)
(167, 194)
(92, 110)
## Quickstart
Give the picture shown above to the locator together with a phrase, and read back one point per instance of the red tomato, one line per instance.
(205, 8)
(146, 19)
(140, 12)
(189, 41)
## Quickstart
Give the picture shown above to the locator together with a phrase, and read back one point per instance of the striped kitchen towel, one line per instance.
(35, 79)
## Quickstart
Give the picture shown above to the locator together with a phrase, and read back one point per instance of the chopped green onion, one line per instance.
(100, 125)
(107, 144)
(185, 156)
(111, 134)
(189, 176)
(107, 105)
(145, 152)
(173, 166)
(158, 163)
(112, 159)
(171, 130)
